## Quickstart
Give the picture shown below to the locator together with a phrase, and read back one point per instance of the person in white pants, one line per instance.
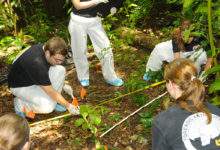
(36, 79)
(163, 52)
(84, 21)
(34, 98)
(177, 48)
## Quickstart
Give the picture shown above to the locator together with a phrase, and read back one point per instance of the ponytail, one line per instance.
(183, 73)
(195, 93)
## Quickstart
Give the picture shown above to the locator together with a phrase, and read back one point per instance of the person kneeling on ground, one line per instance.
(191, 123)
(15, 133)
(36, 79)
(178, 47)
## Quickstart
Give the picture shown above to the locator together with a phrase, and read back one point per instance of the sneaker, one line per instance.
(60, 108)
(84, 82)
(19, 113)
(146, 76)
(18, 108)
(116, 82)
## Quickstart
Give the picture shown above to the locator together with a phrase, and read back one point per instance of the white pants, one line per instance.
(79, 27)
(164, 52)
(33, 98)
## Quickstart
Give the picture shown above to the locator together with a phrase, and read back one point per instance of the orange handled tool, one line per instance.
(75, 102)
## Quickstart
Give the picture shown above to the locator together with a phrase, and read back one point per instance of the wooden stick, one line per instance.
(50, 119)
(132, 114)
(139, 90)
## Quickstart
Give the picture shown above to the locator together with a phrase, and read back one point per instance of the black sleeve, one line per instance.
(158, 139)
(175, 46)
(38, 73)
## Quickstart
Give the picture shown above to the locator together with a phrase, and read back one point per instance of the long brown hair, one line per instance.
(14, 132)
(183, 73)
(177, 36)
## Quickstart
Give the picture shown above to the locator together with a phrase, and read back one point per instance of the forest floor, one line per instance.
(132, 134)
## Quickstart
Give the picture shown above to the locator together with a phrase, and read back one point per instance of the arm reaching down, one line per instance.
(59, 99)
(176, 55)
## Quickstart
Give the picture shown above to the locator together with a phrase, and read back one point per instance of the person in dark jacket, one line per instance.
(191, 123)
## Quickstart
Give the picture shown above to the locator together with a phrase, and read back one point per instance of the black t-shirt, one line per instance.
(31, 68)
(102, 9)
(88, 12)
(178, 129)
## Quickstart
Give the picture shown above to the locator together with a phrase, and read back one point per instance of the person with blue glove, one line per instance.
(36, 79)
(178, 47)
(84, 21)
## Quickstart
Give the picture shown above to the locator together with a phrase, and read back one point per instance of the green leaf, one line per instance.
(93, 129)
(172, 1)
(212, 70)
(79, 122)
(85, 126)
(187, 4)
(215, 86)
(132, 5)
(202, 9)
(95, 119)
(216, 101)
(84, 110)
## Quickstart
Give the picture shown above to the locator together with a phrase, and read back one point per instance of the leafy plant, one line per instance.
(206, 14)
(12, 46)
(90, 118)
(115, 117)
(135, 10)
(39, 26)
(215, 86)
(146, 119)
(8, 18)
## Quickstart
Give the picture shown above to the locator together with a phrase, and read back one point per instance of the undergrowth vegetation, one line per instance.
(39, 26)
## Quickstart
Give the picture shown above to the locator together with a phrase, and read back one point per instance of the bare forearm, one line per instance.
(176, 55)
(208, 64)
(55, 95)
(59, 99)
(83, 5)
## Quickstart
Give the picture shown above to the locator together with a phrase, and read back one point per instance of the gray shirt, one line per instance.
(178, 129)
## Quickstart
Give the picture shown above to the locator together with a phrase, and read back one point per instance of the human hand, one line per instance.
(100, 1)
(113, 10)
(73, 109)
(202, 76)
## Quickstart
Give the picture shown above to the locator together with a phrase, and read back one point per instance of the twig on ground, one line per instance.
(50, 119)
(132, 114)
(130, 93)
